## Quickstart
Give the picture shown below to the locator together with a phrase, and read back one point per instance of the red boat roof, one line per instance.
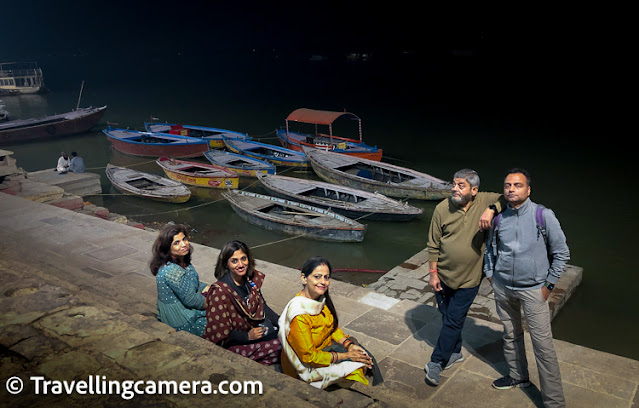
(318, 117)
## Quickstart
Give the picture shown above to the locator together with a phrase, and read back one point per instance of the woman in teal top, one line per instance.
(181, 295)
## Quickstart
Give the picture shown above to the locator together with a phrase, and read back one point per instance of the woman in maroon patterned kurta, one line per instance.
(237, 317)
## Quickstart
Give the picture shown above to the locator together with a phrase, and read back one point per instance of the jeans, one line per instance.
(453, 304)
(509, 305)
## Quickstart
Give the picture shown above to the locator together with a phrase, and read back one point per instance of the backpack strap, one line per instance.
(541, 225)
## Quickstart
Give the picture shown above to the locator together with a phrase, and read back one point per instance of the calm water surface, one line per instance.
(435, 117)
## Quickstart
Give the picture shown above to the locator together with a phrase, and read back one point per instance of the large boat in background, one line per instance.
(76, 121)
(18, 78)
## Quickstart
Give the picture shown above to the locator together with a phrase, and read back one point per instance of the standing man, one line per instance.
(456, 240)
(63, 163)
(525, 258)
(77, 163)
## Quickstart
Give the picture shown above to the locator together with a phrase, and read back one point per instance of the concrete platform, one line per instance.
(72, 183)
(78, 299)
(410, 281)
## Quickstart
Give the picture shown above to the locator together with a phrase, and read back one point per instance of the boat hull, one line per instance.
(367, 206)
(177, 150)
(286, 157)
(347, 233)
(43, 129)
(246, 166)
(288, 140)
(213, 136)
(222, 181)
(177, 194)
(436, 191)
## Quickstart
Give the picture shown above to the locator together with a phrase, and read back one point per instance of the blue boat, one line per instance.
(242, 165)
(211, 134)
(279, 156)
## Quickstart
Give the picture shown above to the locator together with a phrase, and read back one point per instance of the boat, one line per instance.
(350, 202)
(243, 165)
(137, 183)
(77, 121)
(373, 176)
(212, 135)
(137, 143)
(277, 155)
(18, 78)
(323, 141)
(294, 218)
(198, 174)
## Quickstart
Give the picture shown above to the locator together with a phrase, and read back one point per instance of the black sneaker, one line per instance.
(507, 382)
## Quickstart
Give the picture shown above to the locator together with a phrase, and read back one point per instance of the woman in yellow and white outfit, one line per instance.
(314, 348)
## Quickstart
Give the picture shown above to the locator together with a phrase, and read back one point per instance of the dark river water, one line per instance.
(433, 115)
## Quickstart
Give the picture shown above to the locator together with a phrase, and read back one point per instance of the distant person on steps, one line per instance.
(77, 163)
(63, 163)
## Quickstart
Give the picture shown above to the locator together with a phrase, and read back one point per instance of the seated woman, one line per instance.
(314, 347)
(180, 293)
(237, 316)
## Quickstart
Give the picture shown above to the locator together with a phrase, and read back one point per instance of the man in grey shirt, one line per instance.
(77, 163)
(524, 258)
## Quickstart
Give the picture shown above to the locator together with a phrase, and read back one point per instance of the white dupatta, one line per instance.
(319, 377)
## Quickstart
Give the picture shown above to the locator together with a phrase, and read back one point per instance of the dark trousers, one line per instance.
(453, 304)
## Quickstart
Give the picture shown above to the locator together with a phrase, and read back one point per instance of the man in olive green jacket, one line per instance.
(456, 243)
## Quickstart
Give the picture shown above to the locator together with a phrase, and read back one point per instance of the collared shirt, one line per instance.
(455, 241)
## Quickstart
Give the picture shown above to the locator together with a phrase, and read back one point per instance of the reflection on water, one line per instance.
(430, 126)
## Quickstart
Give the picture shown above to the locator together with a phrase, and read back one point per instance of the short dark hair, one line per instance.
(520, 170)
(222, 266)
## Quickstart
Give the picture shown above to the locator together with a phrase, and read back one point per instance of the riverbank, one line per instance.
(78, 300)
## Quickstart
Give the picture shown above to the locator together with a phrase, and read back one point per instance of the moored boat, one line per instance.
(149, 144)
(317, 140)
(350, 202)
(244, 166)
(137, 183)
(18, 78)
(198, 174)
(69, 123)
(277, 155)
(214, 136)
(294, 218)
(373, 176)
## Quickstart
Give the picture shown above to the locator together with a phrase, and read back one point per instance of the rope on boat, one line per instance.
(130, 165)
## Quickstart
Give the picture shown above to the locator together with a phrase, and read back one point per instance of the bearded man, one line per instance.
(456, 242)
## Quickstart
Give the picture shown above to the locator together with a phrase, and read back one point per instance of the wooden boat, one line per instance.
(148, 144)
(294, 218)
(244, 166)
(137, 183)
(353, 147)
(18, 78)
(76, 121)
(210, 134)
(369, 175)
(198, 174)
(343, 200)
(279, 156)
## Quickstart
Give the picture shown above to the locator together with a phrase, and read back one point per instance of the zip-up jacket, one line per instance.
(518, 256)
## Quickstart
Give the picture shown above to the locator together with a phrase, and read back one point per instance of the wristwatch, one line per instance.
(549, 285)
(493, 207)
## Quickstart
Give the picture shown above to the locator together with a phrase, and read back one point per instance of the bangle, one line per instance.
(433, 271)
(347, 343)
(333, 357)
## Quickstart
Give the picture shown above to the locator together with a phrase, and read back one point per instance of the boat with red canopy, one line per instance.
(326, 141)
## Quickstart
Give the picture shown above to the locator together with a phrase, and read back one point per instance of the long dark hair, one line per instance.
(308, 268)
(222, 266)
(162, 247)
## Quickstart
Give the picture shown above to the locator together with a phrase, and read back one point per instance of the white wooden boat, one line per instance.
(137, 183)
(374, 176)
(294, 218)
(350, 202)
